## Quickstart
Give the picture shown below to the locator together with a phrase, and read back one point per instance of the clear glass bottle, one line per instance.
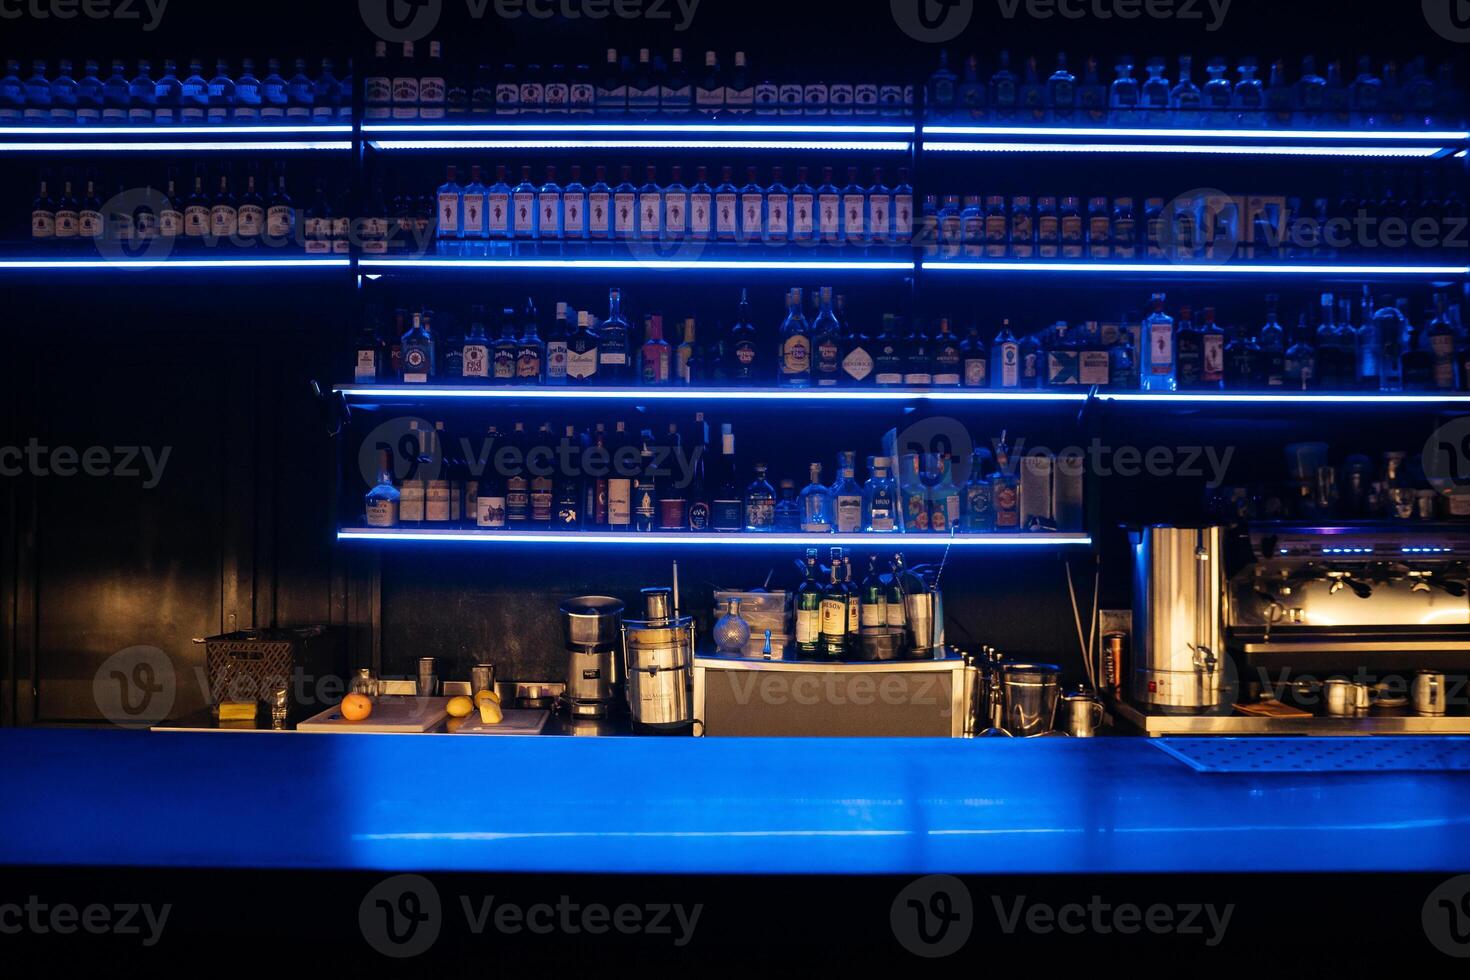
(795, 361)
(816, 504)
(1124, 94)
(880, 498)
(1185, 99)
(1158, 369)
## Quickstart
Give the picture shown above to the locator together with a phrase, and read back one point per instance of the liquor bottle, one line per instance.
(880, 498)
(530, 350)
(377, 86)
(381, 502)
(599, 207)
(567, 493)
(826, 345)
(1188, 352)
(574, 208)
(970, 93)
(505, 350)
(788, 510)
(1005, 489)
(1154, 93)
(326, 103)
(674, 216)
(142, 96)
(614, 363)
(1004, 93)
(89, 212)
(248, 95)
(475, 363)
(701, 208)
(1005, 359)
(655, 358)
(193, 96)
(554, 353)
(913, 494)
(760, 502)
(727, 509)
(473, 203)
(582, 352)
(625, 207)
(1249, 98)
(856, 229)
(743, 364)
(808, 610)
(698, 509)
(90, 96)
(675, 94)
(540, 490)
(974, 360)
(1416, 359)
(64, 228)
(872, 598)
(300, 93)
(518, 482)
(1335, 368)
(13, 92)
(645, 486)
(1310, 95)
(1301, 360)
(1062, 91)
(726, 208)
(1158, 370)
(549, 208)
(1244, 363)
(220, 94)
(650, 207)
(709, 94)
(525, 215)
(739, 90)
(833, 622)
(768, 99)
(1185, 100)
(846, 496)
(803, 209)
(1441, 340)
(942, 91)
(944, 499)
(406, 85)
(274, 101)
(858, 363)
(918, 357)
(1099, 229)
(903, 209)
(688, 369)
(643, 88)
(1365, 94)
(418, 353)
(794, 363)
(491, 489)
(1212, 352)
(888, 355)
(850, 590)
(752, 208)
(829, 210)
(224, 215)
(450, 209)
(977, 512)
(1389, 330)
(777, 204)
(818, 506)
(280, 214)
(1273, 348)
(121, 221)
(1070, 222)
(196, 212)
(1124, 95)
(612, 88)
(948, 357)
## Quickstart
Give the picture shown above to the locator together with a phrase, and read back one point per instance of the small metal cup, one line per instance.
(428, 678)
(1427, 691)
(482, 678)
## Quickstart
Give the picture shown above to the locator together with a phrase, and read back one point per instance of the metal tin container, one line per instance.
(1179, 607)
(591, 621)
(1030, 692)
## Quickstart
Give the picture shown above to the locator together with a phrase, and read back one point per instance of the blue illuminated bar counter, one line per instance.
(711, 806)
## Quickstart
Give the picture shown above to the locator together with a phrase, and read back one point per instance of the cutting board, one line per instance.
(396, 715)
(518, 721)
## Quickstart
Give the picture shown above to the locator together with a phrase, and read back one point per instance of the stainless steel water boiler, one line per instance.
(660, 658)
(1179, 606)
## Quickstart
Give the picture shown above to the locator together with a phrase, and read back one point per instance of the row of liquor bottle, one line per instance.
(1357, 343)
(852, 214)
(401, 86)
(830, 611)
(215, 210)
(616, 479)
(1394, 98)
(1379, 214)
(186, 98)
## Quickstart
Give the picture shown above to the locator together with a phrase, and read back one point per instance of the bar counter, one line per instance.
(711, 806)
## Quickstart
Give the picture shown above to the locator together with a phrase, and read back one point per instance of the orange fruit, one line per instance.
(356, 707)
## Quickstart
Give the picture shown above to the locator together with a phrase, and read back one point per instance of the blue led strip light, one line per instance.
(1214, 135)
(639, 129)
(639, 144)
(172, 130)
(747, 540)
(101, 264)
(775, 265)
(1195, 269)
(1198, 149)
(244, 146)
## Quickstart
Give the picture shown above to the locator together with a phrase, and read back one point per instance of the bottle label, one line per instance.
(524, 218)
(829, 211)
(849, 511)
(597, 214)
(880, 513)
(625, 215)
(251, 220)
(796, 355)
(474, 214)
(476, 363)
(382, 513)
(675, 214)
(196, 221)
(726, 222)
(582, 97)
(751, 206)
(834, 616)
(550, 215)
(808, 625)
(760, 512)
(619, 502)
(224, 221)
(903, 217)
(43, 224)
(853, 206)
(650, 206)
(700, 206)
(801, 215)
(490, 511)
(411, 502)
(699, 516)
(879, 215)
(873, 614)
(366, 371)
(1093, 367)
(528, 365)
(582, 365)
(574, 215)
(279, 221)
(503, 364)
(1161, 348)
(778, 217)
(976, 371)
(436, 502)
(858, 364)
(1010, 365)
(894, 611)
(448, 213)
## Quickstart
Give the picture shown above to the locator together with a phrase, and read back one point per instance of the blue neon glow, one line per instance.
(1281, 135)
(1199, 149)
(638, 144)
(170, 130)
(431, 392)
(1195, 269)
(793, 265)
(753, 540)
(1426, 551)
(244, 146)
(99, 264)
(1342, 551)
(635, 129)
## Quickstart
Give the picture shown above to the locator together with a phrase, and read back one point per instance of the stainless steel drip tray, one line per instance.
(1265, 755)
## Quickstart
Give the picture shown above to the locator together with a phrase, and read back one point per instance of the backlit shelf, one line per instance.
(634, 539)
(333, 137)
(640, 136)
(215, 265)
(1227, 269)
(417, 393)
(1406, 144)
(496, 264)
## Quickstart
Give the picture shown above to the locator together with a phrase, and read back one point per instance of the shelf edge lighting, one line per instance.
(173, 263)
(649, 264)
(1199, 149)
(636, 129)
(171, 130)
(243, 146)
(1182, 268)
(1306, 135)
(758, 540)
(639, 144)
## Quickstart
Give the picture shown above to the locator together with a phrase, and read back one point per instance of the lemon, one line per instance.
(490, 712)
(461, 707)
(486, 695)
